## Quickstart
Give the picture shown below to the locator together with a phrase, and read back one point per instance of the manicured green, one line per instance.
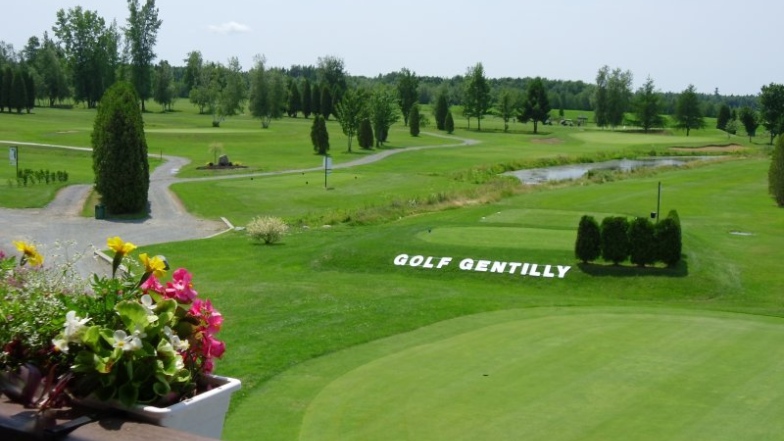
(656, 349)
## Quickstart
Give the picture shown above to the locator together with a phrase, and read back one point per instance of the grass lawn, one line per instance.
(332, 340)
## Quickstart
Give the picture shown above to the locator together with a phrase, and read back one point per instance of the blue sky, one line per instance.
(722, 44)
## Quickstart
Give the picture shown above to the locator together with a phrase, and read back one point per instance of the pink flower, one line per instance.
(209, 318)
(152, 284)
(213, 347)
(181, 288)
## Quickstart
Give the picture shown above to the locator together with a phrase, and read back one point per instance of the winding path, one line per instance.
(60, 222)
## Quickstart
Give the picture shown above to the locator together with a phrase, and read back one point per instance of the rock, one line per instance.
(223, 161)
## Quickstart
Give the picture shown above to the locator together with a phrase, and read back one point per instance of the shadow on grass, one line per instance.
(626, 270)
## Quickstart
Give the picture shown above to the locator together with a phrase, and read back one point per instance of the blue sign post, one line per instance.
(13, 156)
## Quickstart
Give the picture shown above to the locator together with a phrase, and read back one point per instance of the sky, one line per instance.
(727, 45)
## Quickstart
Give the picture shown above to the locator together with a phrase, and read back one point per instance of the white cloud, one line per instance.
(231, 27)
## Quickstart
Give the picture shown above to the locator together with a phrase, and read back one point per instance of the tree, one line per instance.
(687, 111)
(91, 50)
(163, 85)
(326, 102)
(413, 120)
(536, 105)
(449, 123)
(350, 112)
(600, 97)
(667, 234)
(750, 121)
(407, 94)
(772, 109)
(384, 112)
(206, 87)
(18, 98)
(141, 35)
(120, 164)
(192, 75)
(588, 246)
(508, 105)
(724, 116)
(30, 93)
(365, 134)
(6, 88)
(647, 107)
(50, 64)
(642, 245)
(307, 98)
(331, 74)
(231, 97)
(619, 94)
(615, 239)
(477, 94)
(441, 108)
(319, 135)
(295, 99)
(776, 173)
(315, 99)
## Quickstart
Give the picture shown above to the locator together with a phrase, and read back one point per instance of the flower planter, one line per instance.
(201, 415)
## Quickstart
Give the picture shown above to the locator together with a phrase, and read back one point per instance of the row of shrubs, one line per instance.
(640, 241)
(31, 177)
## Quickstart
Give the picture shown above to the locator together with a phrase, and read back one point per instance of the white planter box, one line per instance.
(201, 415)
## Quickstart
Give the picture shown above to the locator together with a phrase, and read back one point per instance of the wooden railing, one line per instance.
(19, 423)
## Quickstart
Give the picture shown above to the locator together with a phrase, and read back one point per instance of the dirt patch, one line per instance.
(711, 148)
(547, 141)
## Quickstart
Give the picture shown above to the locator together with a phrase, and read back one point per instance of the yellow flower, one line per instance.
(154, 265)
(120, 247)
(29, 254)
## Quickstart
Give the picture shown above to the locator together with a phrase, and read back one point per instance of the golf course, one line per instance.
(390, 310)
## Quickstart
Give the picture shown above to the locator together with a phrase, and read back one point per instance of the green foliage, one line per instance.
(476, 102)
(588, 246)
(612, 96)
(141, 35)
(365, 134)
(642, 244)
(647, 107)
(688, 115)
(414, 120)
(772, 109)
(384, 112)
(615, 239)
(295, 99)
(319, 135)
(750, 120)
(724, 116)
(441, 109)
(120, 160)
(307, 98)
(668, 237)
(18, 99)
(776, 173)
(163, 85)
(536, 105)
(326, 103)
(350, 111)
(407, 93)
(267, 93)
(449, 123)
(507, 106)
(6, 88)
(267, 229)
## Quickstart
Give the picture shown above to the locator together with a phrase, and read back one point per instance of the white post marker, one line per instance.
(327, 168)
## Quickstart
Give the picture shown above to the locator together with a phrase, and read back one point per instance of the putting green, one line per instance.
(559, 374)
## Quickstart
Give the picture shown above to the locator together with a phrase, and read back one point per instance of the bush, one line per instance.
(267, 229)
(776, 173)
(669, 243)
(642, 244)
(588, 246)
(615, 239)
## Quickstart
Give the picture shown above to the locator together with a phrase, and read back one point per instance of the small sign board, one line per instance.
(12, 155)
(327, 164)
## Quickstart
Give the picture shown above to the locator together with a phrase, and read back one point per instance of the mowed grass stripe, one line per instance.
(505, 237)
(582, 376)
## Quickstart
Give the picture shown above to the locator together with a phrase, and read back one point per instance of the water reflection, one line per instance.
(575, 171)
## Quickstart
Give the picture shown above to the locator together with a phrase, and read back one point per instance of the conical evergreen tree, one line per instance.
(307, 99)
(413, 120)
(449, 123)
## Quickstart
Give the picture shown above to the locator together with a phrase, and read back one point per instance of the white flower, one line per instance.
(150, 307)
(177, 343)
(73, 326)
(126, 342)
(61, 345)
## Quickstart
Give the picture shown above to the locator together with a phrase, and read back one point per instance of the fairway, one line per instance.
(561, 374)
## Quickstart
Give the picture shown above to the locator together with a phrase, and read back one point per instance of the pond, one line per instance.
(575, 171)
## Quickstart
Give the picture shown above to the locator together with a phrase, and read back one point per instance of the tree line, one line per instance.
(87, 55)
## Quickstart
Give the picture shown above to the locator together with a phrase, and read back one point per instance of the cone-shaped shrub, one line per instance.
(588, 246)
